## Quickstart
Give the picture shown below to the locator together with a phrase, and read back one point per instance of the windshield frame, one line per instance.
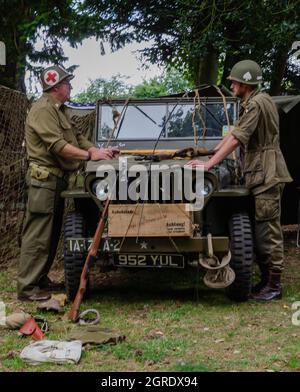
(159, 101)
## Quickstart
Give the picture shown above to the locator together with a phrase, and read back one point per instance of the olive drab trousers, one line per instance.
(268, 232)
(41, 230)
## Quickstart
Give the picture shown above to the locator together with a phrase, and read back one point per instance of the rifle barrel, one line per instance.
(91, 257)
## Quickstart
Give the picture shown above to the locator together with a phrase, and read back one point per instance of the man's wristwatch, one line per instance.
(89, 156)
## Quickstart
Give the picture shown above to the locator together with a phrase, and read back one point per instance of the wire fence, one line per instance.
(14, 107)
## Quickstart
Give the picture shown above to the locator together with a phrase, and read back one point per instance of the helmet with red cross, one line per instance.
(53, 75)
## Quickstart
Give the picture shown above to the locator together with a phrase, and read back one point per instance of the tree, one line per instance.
(170, 82)
(199, 37)
(269, 30)
(23, 23)
(204, 36)
(100, 88)
(174, 27)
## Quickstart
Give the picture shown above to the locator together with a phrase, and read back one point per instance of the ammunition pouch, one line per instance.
(42, 185)
(42, 172)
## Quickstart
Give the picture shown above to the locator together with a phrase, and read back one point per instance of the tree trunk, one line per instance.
(205, 69)
(278, 69)
(21, 86)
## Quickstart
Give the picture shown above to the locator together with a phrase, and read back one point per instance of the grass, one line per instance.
(172, 324)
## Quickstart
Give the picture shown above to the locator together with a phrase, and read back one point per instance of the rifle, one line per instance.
(159, 155)
(90, 259)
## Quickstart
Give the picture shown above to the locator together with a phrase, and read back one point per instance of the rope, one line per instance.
(200, 114)
(137, 237)
(194, 225)
(170, 238)
(84, 320)
(225, 105)
(219, 279)
(228, 124)
(193, 123)
(123, 239)
(219, 274)
(117, 122)
(141, 215)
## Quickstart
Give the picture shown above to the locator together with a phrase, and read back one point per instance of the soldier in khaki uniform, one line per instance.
(264, 169)
(54, 151)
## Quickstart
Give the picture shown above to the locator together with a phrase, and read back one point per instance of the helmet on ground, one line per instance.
(53, 75)
(247, 72)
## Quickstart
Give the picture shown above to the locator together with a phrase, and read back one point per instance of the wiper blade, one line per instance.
(145, 114)
(212, 115)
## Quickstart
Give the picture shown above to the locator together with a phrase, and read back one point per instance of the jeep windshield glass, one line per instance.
(148, 120)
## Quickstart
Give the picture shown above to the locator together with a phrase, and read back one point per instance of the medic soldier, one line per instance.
(55, 150)
(265, 171)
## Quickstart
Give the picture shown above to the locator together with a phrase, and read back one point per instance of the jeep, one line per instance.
(160, 232)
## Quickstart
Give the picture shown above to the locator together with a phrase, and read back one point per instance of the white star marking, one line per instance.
(144, 245)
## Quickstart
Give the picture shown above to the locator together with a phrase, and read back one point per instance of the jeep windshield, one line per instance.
(164, 119)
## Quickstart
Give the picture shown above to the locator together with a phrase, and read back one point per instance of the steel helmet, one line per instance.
(53, 75)
(247, 72)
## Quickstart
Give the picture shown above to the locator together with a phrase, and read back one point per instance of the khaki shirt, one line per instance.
(48, 129)
(258, 131)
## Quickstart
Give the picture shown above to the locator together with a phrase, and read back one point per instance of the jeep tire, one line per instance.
(74, 227)
(241, 248)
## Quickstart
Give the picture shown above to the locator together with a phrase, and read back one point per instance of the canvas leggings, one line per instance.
(268, 232)
(41, 231)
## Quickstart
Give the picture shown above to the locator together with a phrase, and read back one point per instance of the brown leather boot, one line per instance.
(34, 297)
(264, 278)
(272, 290)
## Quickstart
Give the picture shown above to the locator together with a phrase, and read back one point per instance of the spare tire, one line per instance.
(74, 227)
(241, 247)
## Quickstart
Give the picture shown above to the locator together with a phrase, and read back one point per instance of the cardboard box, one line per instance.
(149, 220)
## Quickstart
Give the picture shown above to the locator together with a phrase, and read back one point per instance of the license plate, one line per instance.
(81, 245)
(148, 260)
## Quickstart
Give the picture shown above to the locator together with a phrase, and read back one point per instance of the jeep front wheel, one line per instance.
(73, 261)
(241, 247)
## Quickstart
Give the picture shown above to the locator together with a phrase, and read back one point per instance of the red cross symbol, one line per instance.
(51, 77)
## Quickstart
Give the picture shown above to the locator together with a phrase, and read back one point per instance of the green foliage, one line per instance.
(152, 88)
(207, 36)
(100, 88)
(172, 81)
(24, 23)
(154, 350)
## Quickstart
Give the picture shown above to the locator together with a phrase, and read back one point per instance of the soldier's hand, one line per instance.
(104, 153)
(197, 162)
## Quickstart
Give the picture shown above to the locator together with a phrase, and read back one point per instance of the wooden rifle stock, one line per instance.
(91, 257)
(159, 155)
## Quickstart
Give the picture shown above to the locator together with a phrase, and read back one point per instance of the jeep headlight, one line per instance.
(207, 189)
(100, 188)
